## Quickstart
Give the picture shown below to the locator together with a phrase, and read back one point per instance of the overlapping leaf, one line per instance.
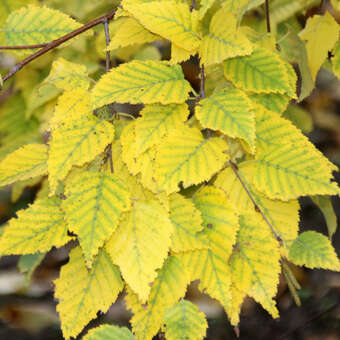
(229, 111)
(109, 332)
(275, 102)
(26, 162)
(83, 293)
(185, 321)
(168, 288)
(185, 156)
(255, 262)
(140, 244)
(169, 19)
(93, 207)
(145, 82)
(76, 143)
(224, 40)
(314, 250)
(261, 72)
(36, 229)
(68, 76)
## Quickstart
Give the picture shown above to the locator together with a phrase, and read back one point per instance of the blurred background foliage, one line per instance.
(27, 307)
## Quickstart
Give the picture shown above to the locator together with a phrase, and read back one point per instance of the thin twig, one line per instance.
(23, 47)
(257, 208)
(193, 5)
(202, 89)
(268, 16)
(55, 43)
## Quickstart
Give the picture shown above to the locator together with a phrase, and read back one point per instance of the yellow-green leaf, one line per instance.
(229, 111)
(156, 122)
(185, 321)
(186, 156)
(83, 293)
(25, 163)
(147, 82)
(224, 40)
(68, 76)
(109, 332)
(169, 286)
(76, 143)
(336, 59)
(300, 117)
(130, 32)
(187, 222)
(140, 244)
(314, 250)
(28, 263)
(261, 72)
(36, 229)
(7, 7)
(169, 19)
(255, 262)
(93, 207)
(37, 25)
(275, 102)
(321, 33)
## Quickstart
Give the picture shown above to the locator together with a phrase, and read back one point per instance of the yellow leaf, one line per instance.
(321, 34)
(7, 7)
(231, 112)
(36, 229)
(185, 156)
(171, 20)
(156, 122)
(224, 40)
(71, 105)
(255, 262)
(179, 54)
(169, 286)
(93, 207)
(83, 293)
(68, 76)
(314, 250)
(25, 163)
(261, 72)
(204, 7)
(76, 143)
(140, 244)
(147, 82)
(109, 332)
(130, 32)
(274, 102)
(185, 321)
(283, 216)
(187, 222)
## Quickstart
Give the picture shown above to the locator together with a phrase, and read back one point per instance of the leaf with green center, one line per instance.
(109, 332)
(224, 40)
(147, 82)
(36, 229)
(186, 156)
(275, 102)
(25, 163)
(93, 208)
(83, 293)
(314, 250)
(140, 244)
(185, 321)
(229, 111)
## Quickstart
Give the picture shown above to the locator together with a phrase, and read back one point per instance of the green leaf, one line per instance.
(314, 250)
(185, 156)
(83, 293)
(140, 244)
(275, 102)
(25, 163)
(299, 117)
(36, 229)
(76, 143)
(145, 82)
(229, 111)
(224, 40)
(109, 332)
(28, 263)
(185, 321)
(93, 208)
(261, 72)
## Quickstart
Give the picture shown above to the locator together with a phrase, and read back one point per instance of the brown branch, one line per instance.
(257, 208)
(23, 47)
(193, 5)
(202, 88)
(268, 16)
(55, 43)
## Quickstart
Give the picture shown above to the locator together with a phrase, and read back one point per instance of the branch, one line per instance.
(257, 208)
(202, 89)
(23, 47)
(55, 43)
(268, 16)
